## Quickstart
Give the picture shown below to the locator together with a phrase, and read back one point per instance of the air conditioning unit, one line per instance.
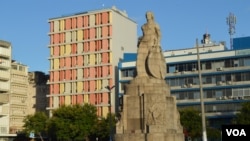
(183, 72)
(219, 83)
(220, 69)
(184, 86)
(176, 71)
(229, 82)
(190, 85)
(193, 69)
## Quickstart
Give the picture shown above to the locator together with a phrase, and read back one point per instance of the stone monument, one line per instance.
(149, 111)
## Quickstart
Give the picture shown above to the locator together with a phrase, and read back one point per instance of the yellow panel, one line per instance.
(68, 49)
(62, 24)
(61, 50)
(79, 35)
(86, 98)
(110, 17)
(92, 59)
(92, 20)
(61, 88)
(105, 111)
(110, 57)
(67, 100)
(56, 64)
(56, 26)
(79, 87)
(51, 51)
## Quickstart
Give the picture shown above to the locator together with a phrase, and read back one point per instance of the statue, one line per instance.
(150, 61)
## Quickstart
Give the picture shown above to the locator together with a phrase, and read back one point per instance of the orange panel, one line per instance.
(86, 21)
(56, 50)
(92, 99)
(86, 46)
(56, 76)
(52, 26)
(104, 70)
(68, 75)
(56, 88)
(79, 60)
(73, 23)
(105, 57)
(79, 22)
(62, 38)
(92, 33)
(86, 73)
(105, 97)
(105, 17)
(105, 31)
(79, 99)
(73, 74)
(56, 38)
(68, 62)
(74, 48)
(110, 30)
(68, 24)
(62, 100)
(92, 45)
(51, 86)
(92, 72)
(105, 44)
(98, 19)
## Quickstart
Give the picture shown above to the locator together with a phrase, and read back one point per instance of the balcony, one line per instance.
(4, 75)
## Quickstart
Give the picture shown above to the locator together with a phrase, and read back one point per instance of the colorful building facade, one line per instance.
(85, 49)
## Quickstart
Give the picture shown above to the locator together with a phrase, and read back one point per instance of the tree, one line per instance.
(191, 122)
(102, 127)
(244, 116)
(36, 123)
(75, 122)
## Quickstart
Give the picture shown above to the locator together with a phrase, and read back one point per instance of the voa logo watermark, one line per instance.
(240, 132)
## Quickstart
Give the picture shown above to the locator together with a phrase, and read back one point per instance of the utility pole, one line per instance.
(110, 116)
(204, 132)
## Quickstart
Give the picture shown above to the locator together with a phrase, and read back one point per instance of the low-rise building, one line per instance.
(225, 78)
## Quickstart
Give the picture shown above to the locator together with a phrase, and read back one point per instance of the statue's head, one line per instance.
(149, 16)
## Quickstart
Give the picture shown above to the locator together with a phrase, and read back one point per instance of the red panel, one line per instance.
(51, 88)
(86, 46)
(51, 76)
(79, 21)
(104, 70)
(86, 34)
(68, 24)
(73, 74)
(92, 72)
(86, 86)
(98, 18)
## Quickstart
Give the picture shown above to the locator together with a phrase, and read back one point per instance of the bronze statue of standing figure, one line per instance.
(150, 61)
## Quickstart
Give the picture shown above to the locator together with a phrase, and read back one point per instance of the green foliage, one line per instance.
(244, 116)
(74, 122)
(191, 122)
(213, 134)
(36, 123)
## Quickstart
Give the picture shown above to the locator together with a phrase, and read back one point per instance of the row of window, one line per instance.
(80, 21)
(221, 93)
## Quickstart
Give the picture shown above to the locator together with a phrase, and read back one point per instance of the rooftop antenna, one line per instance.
(231, 21)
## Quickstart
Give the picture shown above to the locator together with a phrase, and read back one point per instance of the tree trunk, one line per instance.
(40, 136)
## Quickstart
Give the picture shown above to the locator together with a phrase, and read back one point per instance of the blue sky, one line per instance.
(24, 23)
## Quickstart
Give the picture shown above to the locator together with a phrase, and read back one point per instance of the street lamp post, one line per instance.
(110, 118)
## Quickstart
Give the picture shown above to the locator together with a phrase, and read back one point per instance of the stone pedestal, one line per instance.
(149, 113)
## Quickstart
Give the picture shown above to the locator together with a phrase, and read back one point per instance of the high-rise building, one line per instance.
(37, 90)
(225, 78)
(18, 96)
(85, 49)
(5, 68)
